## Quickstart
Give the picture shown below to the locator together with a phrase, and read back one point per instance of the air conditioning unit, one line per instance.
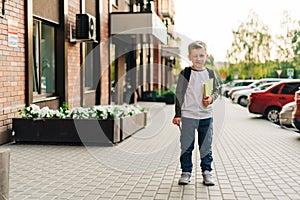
(85, 27)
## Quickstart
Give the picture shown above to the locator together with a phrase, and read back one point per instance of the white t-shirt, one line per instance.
(192, 106)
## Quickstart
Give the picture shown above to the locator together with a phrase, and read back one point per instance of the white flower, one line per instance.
(44, 112)
(34, 110)
(94, 112)
(80, 113)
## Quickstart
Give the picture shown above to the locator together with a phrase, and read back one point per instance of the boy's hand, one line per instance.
(206, 101)
(176, 121)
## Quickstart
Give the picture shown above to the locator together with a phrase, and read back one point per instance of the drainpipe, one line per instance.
(3, 9)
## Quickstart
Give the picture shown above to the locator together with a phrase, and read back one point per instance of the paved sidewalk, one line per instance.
(253, 159)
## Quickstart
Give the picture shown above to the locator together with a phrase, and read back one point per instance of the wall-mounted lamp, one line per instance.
(3, 9)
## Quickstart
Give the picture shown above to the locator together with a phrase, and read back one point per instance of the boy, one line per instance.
(193, 111)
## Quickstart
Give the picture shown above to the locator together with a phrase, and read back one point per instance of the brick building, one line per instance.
(67, 51)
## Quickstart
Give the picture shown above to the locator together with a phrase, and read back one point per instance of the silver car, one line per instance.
(286, 114)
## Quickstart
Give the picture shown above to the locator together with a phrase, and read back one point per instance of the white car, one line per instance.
(235, 83)
(253, 85)
(241, 96)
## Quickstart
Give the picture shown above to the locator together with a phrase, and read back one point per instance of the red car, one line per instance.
(269, 102)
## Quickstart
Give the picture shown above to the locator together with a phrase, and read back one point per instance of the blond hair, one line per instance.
(197, 45)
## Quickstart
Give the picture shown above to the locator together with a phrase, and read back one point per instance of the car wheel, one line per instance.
(272, 114)
(226, 94)
(243, 101)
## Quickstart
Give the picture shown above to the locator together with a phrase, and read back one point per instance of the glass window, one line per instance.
(89, 65)
(290, 88)
(114, 2)
(44, 58)
(276, 89)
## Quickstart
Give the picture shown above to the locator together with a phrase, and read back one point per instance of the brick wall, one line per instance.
(73, 95)
(74, 64)
(12, 67)
(104, 54)
(13, 63)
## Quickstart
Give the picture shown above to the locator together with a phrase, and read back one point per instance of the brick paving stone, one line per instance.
(161, 196)
(123, 192)
(91, 197)
(240, 195)
(173, 198)
(228, 196)
(175, 194)
(118, 197)
(134, 196)
(66, 195)
(294, 196)
(253, 192)
(163, 191)
(267, 195)
(211, 193)
(256, 197)
(138, 190)
(215, 197)
(146, 198)
(164, 185)
(250, 156)
(150, 193)
(189, 192)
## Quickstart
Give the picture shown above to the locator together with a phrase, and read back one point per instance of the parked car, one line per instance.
(253, 85)
(286, 114)
(270, 102)
(296, 113)
(235, 83)
(241, 97)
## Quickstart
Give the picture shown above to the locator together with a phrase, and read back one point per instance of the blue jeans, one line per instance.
(187, 140)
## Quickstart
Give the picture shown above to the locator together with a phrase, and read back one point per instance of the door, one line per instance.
(287, 92)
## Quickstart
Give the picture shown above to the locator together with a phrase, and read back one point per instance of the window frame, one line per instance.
(89, 57)
(38, 94)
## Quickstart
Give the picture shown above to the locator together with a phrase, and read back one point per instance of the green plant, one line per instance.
(166, 93)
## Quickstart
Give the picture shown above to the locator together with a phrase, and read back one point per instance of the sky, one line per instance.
(212, 21)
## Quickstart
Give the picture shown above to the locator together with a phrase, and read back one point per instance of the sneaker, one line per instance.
(207, 178)
(185, 178)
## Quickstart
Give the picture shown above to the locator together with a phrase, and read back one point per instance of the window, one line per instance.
(275, 90)
(290, 88)
(43, 58)
(89, 65)
(114, 2)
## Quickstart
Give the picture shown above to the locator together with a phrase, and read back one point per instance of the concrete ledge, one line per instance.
(4, 173)
(5, 136)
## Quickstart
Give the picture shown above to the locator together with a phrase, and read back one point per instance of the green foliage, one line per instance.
(250, 53)
(166, 93)
(64, 109)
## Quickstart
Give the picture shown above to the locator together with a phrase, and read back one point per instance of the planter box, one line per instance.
(131, 124)
(83, 131)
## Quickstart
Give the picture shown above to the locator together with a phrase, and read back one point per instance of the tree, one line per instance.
(251, 44)
(295, 39)
(283, 42)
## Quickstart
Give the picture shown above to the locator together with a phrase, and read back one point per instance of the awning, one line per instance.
(170, 52)
(138, 24)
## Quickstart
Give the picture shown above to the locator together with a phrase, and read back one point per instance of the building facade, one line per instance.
(82, 52)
